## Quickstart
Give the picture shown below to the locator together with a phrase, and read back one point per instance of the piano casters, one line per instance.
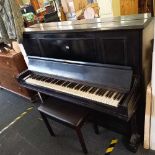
(135, 137)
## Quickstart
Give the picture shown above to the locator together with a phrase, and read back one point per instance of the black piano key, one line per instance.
(75, 85)
(54, 81)
(87, 88)
(97, 93)
(40, 78)
(78, 86)
(49, 80)
(43, 79)
(107, 95)
(103, 92)
(37, 77)
(72, 85)
(66, 83)
(93, 90)
(116, 96)
(119, 97)
(83, 88)
(111, 93)
(33, 76)
(60, 82)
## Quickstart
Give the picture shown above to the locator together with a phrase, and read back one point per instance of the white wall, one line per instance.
(116, 7)
(152, 136)
(105, 8)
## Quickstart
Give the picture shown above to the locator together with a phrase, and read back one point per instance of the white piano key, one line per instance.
(101, 99)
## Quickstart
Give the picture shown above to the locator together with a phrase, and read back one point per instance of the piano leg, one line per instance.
(40, 97)
(47, 124)
(135, 137)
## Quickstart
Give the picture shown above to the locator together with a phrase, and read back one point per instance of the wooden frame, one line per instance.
(147, 126)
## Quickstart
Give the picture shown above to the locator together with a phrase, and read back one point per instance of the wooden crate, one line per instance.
(11, 64)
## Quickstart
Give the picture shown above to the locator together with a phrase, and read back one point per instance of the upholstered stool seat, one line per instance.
(67, 114)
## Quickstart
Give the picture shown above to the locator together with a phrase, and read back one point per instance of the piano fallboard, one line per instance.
(110, 76)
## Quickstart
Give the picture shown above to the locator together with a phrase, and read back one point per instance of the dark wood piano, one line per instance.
(101, 64)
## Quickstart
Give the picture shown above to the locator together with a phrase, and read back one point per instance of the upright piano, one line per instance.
(102, 65)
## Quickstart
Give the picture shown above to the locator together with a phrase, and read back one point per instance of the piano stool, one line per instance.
(68, 115)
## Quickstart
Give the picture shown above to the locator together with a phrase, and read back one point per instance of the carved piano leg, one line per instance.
(135, 137)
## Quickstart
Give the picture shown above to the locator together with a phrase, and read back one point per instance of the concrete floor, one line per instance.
(28, 135)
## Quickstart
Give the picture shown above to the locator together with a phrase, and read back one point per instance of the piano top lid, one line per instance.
(112, 23)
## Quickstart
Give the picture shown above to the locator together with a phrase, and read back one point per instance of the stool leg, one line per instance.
(47, 124)
(81, 139)
(96, 128)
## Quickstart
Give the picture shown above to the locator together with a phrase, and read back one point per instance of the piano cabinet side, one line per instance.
(146, 67)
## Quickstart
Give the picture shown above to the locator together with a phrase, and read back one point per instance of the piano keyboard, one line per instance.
(100, 95)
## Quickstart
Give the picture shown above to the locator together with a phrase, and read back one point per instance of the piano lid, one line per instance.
(109, 76)
(111, 23)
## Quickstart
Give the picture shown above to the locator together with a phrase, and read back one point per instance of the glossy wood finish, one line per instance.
(122, 41)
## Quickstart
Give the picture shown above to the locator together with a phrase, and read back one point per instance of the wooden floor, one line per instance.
(22, 132)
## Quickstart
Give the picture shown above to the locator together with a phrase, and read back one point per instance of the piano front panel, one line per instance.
(32, 47)
(121, 48)
(107, 47)
(74, 49)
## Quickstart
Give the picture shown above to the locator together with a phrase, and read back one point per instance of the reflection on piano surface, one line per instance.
(100, 65)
